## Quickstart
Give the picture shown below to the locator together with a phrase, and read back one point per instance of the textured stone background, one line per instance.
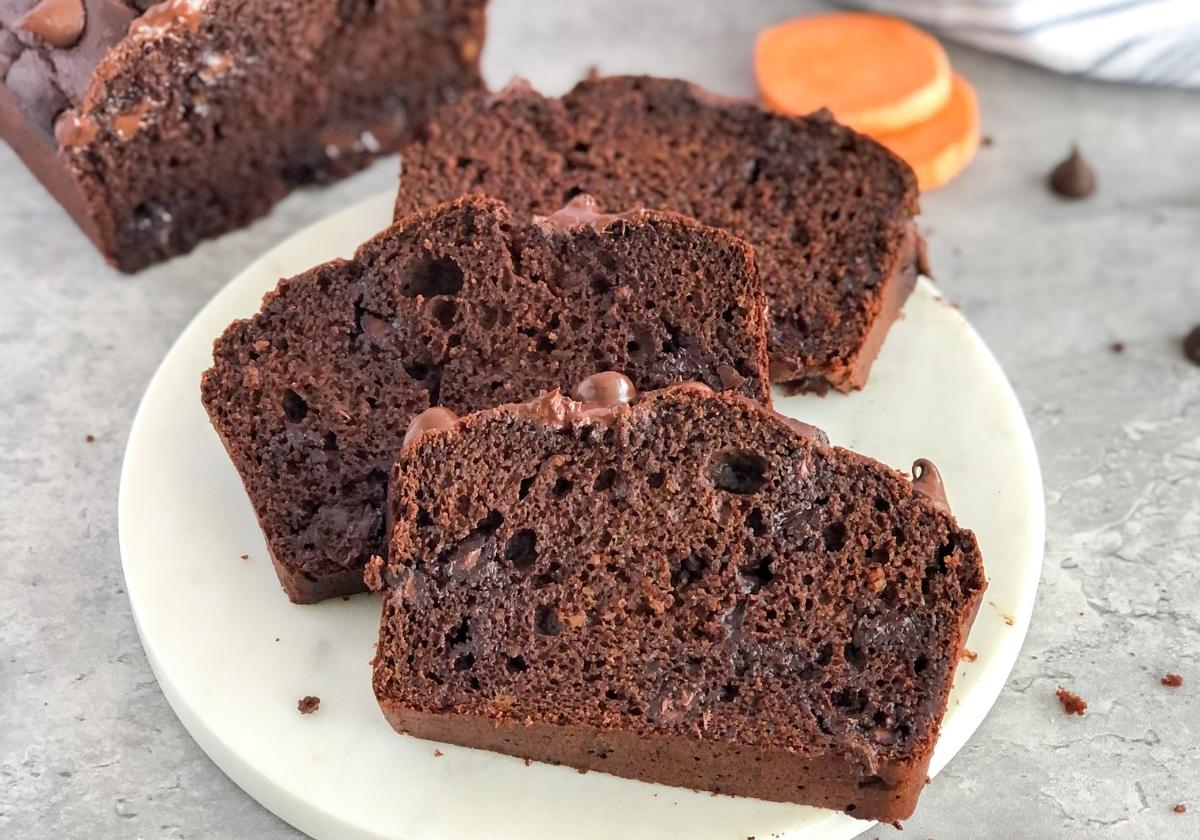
(89, 748)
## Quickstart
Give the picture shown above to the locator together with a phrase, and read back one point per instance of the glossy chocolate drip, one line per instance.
(608, 389)
(581, 211)
(927, 481)
(437, 417)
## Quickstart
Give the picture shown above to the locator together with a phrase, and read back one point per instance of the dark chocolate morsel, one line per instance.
(608, 389)
(57, 22)
(429, 419)
(1191, 345)
(107, 23)
(927, 481)
(30, 82)
(1073, 178)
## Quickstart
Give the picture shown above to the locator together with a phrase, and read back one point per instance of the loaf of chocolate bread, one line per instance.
(461, 306)
(684, 588)
(157, 125)
(829, 211)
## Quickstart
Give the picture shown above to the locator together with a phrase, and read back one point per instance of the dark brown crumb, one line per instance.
(90, 438)
(1009, 620)
(1072, 703)
(582, 771)
(1172, 680)
(528, 761)
(1191, 345)
(896, 825)
(1117, 347)
(438, 753)
(245, 557)
(1181, 808)
(987, 140)
(969, 655)
(309, 704)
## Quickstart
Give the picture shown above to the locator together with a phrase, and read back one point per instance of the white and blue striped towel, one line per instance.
(1146, 41)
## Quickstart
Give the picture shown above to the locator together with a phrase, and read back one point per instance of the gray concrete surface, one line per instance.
(90, 749)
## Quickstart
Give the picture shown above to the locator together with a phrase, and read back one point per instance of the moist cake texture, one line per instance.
(157, 125)
(461, 306)
(684, 588)
(829, 211)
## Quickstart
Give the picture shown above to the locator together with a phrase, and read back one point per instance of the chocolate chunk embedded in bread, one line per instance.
(460, 306)
(829, 211)
(684, 589)
(158, 130)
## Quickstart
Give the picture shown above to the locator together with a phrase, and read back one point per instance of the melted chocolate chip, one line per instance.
(161, 18)
(690, 386)
(1073, 178)
(580, 211)
(805, 430)
(428, 420)
(57, 22)
(927, 481)
(608, 389)
(72, 131)
(126, 125)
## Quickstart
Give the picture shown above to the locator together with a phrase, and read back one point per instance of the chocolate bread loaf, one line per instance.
(157, 125)
(829, 211)
(465, 307)
(685, 588)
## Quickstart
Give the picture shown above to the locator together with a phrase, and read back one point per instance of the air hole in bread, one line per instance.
(546, 620)
(294, 406)
(521, 549)
(740, 472)
(433, 277)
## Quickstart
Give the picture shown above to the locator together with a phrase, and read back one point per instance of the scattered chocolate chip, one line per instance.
(1073, 178)
(1072, 703)
(1117, 347)
(1191, 345)
(1172, 680)
(90, 438)
(309, 704)
(1181, 808)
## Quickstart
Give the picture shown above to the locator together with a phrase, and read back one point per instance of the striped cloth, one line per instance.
(1146, 41)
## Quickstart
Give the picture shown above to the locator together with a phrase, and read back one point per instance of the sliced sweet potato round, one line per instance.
(875, 73)
(941, 146)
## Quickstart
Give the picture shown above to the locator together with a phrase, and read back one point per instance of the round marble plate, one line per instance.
(233, 656)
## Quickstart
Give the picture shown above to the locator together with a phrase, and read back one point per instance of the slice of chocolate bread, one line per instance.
(157, 125)
(460, 306)
(685, 588)
(829, 211)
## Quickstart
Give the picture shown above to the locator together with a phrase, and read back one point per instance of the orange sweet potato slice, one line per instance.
(875, 73)
(941, 146)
